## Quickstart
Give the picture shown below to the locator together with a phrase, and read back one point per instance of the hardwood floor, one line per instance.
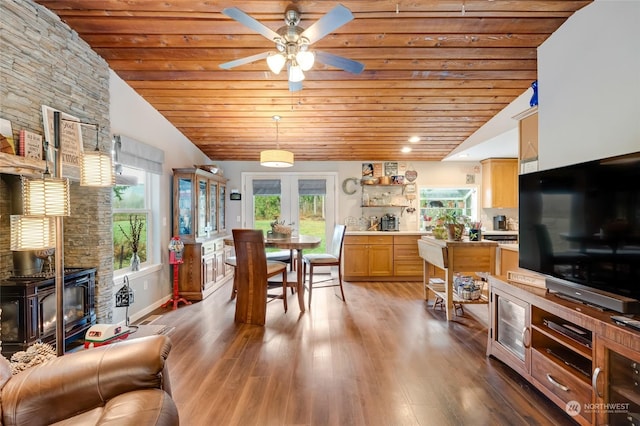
(383, 358)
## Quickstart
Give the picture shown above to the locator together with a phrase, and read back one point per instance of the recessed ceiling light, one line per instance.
(463, 155)
(414, 139)
(406, 149)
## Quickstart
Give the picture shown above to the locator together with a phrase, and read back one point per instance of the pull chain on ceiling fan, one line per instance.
(292, 44)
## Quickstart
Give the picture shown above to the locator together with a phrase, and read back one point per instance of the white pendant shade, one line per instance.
(32, 233)
(46, 197)
(97, 169)
(276, 62)
(276, 158)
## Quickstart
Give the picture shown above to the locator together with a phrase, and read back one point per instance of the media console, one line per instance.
(574, 354)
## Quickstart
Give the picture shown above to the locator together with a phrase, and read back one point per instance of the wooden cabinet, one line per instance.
(510, 331)
(616, 378)
(199, 221)
(500, 183)
(528, 135)
(572, 353)
(203, 270)
(368, 257)
(198, 204)
(453, 257)
(407, 263)
(382, 257)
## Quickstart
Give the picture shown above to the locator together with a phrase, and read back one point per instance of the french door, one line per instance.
(307, 201)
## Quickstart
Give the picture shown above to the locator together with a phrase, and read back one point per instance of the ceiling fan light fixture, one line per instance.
(276, 62)
(295, 73)
(305, 59)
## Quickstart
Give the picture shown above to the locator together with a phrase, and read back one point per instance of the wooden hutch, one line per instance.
(199, 220)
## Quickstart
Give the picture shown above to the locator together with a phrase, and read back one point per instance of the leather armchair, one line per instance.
(124, 383)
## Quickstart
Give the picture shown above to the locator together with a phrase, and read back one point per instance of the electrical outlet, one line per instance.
(145, 285)
(164, 221)
(238, 219)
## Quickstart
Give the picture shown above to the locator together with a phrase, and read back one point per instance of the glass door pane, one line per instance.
(202, 207)
(213, 206)
(267, 206)
(311, 210)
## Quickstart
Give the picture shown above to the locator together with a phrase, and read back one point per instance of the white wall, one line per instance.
(432, 174)
(589, 85)
(132, 116)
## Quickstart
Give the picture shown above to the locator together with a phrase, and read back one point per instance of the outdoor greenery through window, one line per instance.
(131, 217)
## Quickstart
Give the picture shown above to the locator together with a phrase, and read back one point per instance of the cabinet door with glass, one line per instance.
(198, 204)
(183, 206)
(616, 382)
(510, 333)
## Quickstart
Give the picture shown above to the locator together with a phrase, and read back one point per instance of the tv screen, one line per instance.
(581, 224)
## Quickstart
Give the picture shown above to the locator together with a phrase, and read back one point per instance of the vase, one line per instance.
(135, 262)
(455, 231)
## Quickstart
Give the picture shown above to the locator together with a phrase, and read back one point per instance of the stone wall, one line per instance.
(43, 62)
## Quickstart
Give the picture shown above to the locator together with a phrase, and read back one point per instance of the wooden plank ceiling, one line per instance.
(434, 69)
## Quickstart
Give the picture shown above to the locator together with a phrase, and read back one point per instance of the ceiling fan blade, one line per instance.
(248, 21)
(242, 61)
(295, 86)
(341, 62)
(335, 18)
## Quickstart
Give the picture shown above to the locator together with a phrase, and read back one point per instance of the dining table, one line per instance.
(299, 244)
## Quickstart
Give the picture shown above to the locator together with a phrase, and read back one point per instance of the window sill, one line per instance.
(144, 271)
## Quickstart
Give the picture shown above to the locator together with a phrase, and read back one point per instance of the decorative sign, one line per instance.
(70, 141)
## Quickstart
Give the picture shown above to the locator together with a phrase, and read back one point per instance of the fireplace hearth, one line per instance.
(29, 308)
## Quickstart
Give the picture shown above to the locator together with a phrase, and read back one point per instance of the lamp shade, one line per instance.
(276, 158)
(305, 59)
(97, 169)
(295, 73)
(46, 197)
(276, 62)
(32, 233)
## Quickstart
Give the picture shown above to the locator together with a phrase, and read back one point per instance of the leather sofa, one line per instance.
(124, 383)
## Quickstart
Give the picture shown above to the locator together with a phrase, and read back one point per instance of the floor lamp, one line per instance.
(45, 203)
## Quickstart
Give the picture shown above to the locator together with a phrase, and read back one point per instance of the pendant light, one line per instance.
(276, 157)
(32, 233)
(97, 167)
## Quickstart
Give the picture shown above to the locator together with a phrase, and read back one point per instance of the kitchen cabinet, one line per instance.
(407, 263)
(382, 257)
(500, 183)
(368, 256)
(199, 221)
(528, 139)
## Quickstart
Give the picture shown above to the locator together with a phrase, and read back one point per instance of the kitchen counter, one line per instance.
(498, 232)
(387, 233)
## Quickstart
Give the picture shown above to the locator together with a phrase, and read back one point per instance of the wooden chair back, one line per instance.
(251, 267)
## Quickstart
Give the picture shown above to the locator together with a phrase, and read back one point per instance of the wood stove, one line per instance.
(29, 308)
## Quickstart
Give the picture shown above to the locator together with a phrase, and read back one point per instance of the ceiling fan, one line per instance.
(292, 43)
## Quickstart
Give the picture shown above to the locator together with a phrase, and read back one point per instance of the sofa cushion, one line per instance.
(143, 407)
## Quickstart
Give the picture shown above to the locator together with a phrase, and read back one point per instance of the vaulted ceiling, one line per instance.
(434, 69)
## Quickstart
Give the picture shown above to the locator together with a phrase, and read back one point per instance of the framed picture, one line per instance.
(70, 141)
(7, 143)
(367, 169)
(390, 168)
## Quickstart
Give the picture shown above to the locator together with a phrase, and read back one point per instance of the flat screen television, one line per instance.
(579, 225)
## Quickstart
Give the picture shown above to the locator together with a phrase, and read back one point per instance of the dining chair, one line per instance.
(252, 272)
(334, 258)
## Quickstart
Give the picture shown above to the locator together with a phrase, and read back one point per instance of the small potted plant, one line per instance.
(454, 223)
